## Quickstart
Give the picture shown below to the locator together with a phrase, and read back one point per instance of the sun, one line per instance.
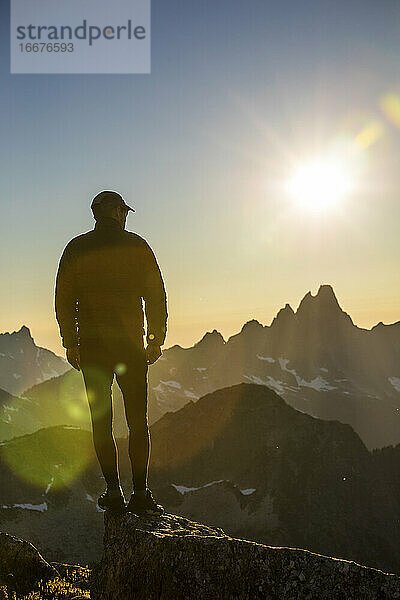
(320, 183)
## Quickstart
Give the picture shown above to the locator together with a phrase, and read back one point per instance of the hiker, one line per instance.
(102, 277)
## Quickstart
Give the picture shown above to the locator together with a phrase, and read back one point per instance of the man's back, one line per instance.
(103, 276)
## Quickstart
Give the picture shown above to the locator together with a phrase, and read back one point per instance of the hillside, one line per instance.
(276, 475)
(239, 458)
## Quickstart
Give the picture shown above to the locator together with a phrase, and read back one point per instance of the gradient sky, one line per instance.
(240, 91)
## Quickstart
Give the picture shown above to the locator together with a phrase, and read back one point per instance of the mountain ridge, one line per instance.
(316, 358)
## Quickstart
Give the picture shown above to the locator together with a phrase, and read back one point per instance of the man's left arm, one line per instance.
(155, 298)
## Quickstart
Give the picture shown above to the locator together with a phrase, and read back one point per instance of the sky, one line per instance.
(242, 94)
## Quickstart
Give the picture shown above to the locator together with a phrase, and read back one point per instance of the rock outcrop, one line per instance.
(21, 565)
(172, 557)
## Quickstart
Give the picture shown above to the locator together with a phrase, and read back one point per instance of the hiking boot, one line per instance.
(112, 499)
(143, 503)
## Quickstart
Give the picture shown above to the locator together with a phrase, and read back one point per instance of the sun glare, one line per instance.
(320, 184)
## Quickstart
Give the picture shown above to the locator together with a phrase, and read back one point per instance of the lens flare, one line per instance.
(120, 368)
(370, 134)
(390, 105)
(70, 400)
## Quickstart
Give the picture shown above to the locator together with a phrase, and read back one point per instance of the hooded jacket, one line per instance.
(102, 277)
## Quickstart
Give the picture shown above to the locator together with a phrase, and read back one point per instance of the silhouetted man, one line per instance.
(102, 277)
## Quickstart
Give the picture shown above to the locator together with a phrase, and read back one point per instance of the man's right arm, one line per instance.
(66, 299)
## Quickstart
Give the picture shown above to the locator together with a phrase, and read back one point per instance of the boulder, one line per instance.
(21, 564)
(171, 558)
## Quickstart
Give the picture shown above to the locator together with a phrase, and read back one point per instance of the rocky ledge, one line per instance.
(21, 565)
(171, 557)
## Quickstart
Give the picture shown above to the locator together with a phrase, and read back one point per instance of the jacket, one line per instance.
(102, 277)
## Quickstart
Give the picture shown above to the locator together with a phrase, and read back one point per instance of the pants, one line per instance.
(100, 359)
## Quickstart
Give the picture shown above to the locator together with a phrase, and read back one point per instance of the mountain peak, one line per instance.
(24, 335)
(326, 290)
(211, 338)
(284, 315)
(324, 298)
(25, 331)
(324, 306)
(251, 325)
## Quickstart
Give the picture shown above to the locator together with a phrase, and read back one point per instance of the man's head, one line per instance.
(110, 204)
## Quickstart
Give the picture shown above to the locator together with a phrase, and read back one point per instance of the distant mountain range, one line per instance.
(315, 358)
(240, 458)
(23, 364)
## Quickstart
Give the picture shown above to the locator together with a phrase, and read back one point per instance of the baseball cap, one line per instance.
(109, 199)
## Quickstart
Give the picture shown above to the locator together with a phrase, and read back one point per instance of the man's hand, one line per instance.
(73, 357)
(153, 352)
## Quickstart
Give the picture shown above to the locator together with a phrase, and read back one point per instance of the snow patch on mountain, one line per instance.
(395, 381)
(49, 485)
(318, 383)
(267, 358)
(182, 489)
(276, 385)
(39, 507)
(170, 383)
